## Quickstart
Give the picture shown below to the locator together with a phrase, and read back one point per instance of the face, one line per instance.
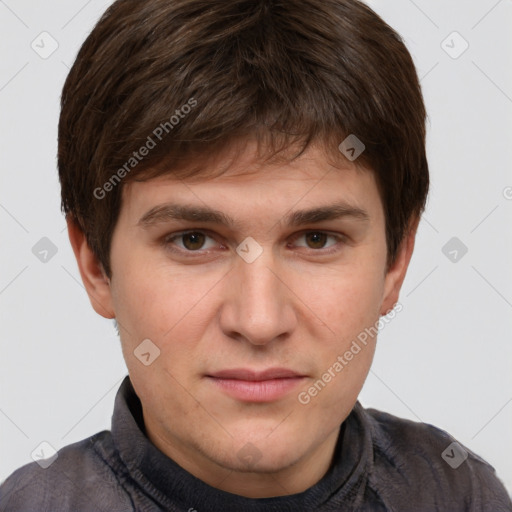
(252, 288)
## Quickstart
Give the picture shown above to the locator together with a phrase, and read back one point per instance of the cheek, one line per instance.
(349, 300)
(152, 302)
(350, 307)
(343, 359)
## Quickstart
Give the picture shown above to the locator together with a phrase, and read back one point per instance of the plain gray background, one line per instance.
(445, 359)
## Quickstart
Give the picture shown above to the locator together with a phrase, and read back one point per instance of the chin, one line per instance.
(253, 461)
(267, 453)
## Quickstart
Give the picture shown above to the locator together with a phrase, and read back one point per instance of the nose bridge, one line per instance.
(259, 285)
(258, 307)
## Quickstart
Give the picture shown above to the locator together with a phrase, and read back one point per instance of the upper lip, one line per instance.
(255, 375)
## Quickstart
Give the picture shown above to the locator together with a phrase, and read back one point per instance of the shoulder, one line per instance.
(420, 463)
(80, 474)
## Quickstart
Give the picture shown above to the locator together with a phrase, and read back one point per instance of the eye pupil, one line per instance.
(193, 241)
(318, 239)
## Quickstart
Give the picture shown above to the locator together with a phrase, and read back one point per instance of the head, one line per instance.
(214, 210)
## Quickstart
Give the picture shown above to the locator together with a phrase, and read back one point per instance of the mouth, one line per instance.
(249, 385)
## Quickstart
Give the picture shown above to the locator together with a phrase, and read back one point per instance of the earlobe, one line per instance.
(396, 273)
(96, 282)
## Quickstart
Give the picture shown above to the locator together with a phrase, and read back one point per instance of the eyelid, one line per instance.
(322, 231)
(340, 238)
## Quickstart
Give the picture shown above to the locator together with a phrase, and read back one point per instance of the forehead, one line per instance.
(241, 179)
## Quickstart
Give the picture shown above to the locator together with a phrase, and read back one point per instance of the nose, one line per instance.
(259, 304)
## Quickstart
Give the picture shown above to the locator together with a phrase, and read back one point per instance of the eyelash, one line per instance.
(168, 240)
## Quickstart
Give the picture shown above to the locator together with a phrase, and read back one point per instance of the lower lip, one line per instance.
(257, 391)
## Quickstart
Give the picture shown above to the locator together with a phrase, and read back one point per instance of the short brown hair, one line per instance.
(201, 74)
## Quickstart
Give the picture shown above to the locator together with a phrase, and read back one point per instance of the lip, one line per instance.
(257, 386)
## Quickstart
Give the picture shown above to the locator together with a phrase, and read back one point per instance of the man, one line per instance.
(242, 183)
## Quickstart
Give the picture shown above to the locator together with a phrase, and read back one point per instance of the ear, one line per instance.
(96, 282)
(395, 275)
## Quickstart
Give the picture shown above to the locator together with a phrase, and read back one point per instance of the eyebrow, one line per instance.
(171, 211)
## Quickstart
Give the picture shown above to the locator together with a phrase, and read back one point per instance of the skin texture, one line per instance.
(296, 306)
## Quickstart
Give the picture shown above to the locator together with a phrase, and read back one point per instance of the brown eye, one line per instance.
(316, 240)
(320, 242)
(193, 240)
(188, 242)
